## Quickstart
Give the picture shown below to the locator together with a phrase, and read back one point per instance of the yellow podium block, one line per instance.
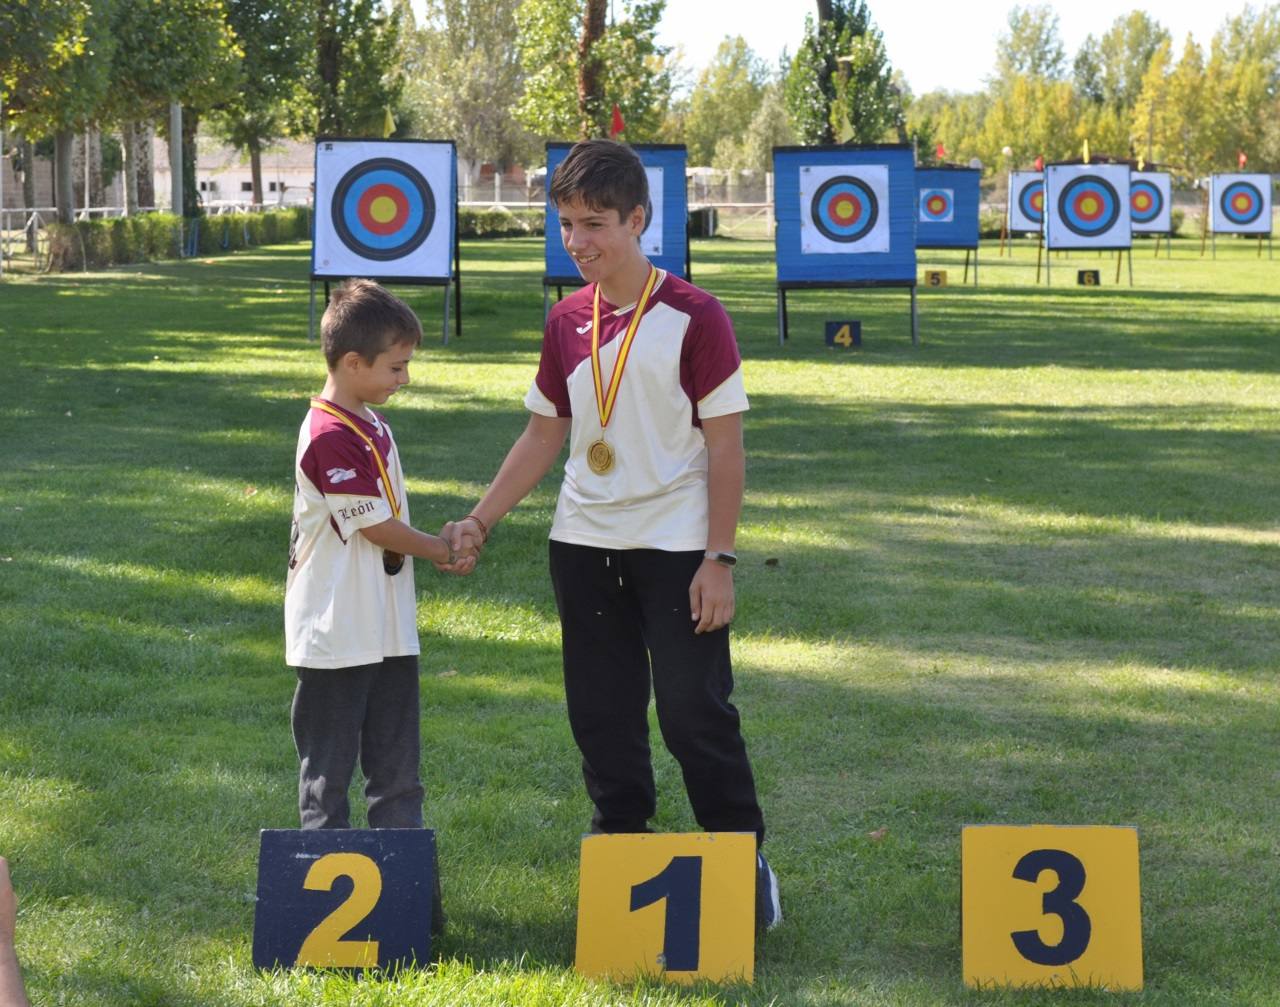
(1047, 905)
(677, 906)
(935, 277)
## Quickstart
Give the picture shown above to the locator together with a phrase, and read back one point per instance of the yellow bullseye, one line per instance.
(844, 208)
(383, 209)
(1089, 206)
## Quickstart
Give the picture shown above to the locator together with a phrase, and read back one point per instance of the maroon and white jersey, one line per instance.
(683, 367)
(341, 608)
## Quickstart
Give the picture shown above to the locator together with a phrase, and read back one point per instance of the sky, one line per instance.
(936, 43)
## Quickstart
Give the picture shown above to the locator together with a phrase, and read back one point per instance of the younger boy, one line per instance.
(640, 370)
(350, 622)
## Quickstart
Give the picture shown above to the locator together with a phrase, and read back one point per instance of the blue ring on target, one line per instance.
(936, 206)
(1074, 206)
(1234, 191)
(408, 192)
(1029, 192)
(1155, 205)
(831, 222)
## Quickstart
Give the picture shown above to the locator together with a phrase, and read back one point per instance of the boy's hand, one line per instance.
(465, 545)
(8, 905)
(711, 597)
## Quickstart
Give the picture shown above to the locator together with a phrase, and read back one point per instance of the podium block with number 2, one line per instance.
(344, 898)
(1047, 905)
(677, 906)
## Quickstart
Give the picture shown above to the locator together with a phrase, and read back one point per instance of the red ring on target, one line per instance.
(374, 202)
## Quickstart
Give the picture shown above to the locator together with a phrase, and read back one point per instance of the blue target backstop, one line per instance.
(947, 211)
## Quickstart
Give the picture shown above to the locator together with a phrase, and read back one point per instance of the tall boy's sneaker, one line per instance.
(768, 905)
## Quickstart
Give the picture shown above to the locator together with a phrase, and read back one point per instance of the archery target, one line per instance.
(1151, 202)
(1087, 206)
(1026, 201)
(844, 209)
(937, 206)
(383, 209)
(1241, 204)
(651, 237)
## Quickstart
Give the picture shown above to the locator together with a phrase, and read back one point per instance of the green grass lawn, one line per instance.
(1026, 573)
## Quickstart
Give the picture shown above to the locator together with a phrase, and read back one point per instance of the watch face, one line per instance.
(724, 558)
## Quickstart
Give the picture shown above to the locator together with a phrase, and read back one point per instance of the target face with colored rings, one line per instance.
(383, 209)
(844, 209)
(937, 206)
(1145, 201)
(1031, 201)
(1241, 202)
(1089, 206)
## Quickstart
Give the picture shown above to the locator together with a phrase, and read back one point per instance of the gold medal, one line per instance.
(600, 457)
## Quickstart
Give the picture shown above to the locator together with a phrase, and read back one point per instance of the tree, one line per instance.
(275, 37)
(355, 79)
(839, 84)
(630, 67)
(725, 99)
(1031, 47)
(462, 69)
(770, 127)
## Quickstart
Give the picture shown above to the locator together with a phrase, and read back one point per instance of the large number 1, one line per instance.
(680, 883)
(1076, 926)
(324, 946)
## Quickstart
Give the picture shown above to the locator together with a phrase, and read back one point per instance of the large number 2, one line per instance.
(1076, 926)
(680, 883)
(324, 946)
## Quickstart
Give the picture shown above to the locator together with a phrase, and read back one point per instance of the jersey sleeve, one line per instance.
(343, 469)
(549, 393)
(712, 365)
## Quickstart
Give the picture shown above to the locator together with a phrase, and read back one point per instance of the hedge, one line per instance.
(92, 244)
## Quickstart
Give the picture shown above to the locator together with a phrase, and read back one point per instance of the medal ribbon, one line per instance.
(324, 407)
(604, 403)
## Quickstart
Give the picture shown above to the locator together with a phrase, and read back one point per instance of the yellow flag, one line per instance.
(1085, 150)
(1142, 164)
(389, 122)
(846, 128)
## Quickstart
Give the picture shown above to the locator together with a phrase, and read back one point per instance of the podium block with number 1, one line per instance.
(677, 906)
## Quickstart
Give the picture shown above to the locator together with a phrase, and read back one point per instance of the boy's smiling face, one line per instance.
(378, 381)
(601, 242)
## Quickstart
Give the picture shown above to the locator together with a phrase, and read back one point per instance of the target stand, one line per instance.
(1241, 204)
(1151, 207)
(846, 220)
(387, 210)
(1025, 210)
(1088, 208)
(665, 239)
(948, 211)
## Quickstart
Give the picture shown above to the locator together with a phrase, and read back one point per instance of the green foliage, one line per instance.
(839, 84)
(463, 79)
(724, 100)
(769, 127)
(500, 222)
(355, 76)
(1031, 47)
(632, 70)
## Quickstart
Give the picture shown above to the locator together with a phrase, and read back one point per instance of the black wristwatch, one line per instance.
(723, 558)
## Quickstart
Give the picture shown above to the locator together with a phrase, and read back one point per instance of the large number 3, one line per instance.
(324, 946)
(680, 883)
(1076, 926)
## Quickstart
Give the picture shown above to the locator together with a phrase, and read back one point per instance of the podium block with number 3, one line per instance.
(677, 906)
(1047, 905)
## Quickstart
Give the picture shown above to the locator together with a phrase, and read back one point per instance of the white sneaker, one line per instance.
(768, 905)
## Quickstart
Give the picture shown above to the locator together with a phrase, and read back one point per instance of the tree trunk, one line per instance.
(29, 186)
(824, 10)
(255, 168)
(63, 182)
(129, 142)
(328, 67)
(191, 203)
(590, 100)
(144, 140)
(93, 151)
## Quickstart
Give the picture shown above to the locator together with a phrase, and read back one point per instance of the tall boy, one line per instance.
(641, 371)
(350, 622)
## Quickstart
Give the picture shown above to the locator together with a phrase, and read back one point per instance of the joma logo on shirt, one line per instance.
(364, 507)
(340, 475)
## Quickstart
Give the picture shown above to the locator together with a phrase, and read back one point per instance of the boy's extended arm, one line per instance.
(11, 991)
(711, 591)
(395, 535)
(529, 459)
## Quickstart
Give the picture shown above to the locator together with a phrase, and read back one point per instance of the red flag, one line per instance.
(1242, 159)
(617, 125)
(1040, 163)
(941, 151)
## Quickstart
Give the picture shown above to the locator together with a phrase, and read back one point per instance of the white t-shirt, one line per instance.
(341, 608)
(683, 366)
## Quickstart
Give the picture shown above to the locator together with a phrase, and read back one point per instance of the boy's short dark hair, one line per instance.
(365, 318)
(603, 174)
